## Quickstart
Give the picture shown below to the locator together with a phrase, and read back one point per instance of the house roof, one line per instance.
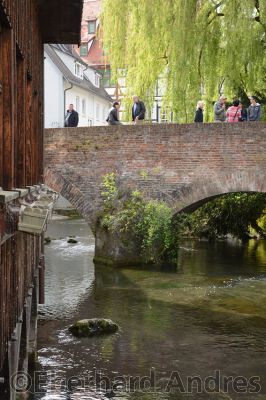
(60, 20)
(84, 83)
(68, 49)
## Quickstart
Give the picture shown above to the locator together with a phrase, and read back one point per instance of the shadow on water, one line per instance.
(209, 315)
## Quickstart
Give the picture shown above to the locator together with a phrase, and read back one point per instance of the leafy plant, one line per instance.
(149, 221)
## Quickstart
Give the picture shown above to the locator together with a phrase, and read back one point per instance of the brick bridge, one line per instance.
(182, 164)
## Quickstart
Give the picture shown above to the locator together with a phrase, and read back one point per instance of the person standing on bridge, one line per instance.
(234, 112)
(220, 110)
(138, 110)
(199, 112)
(71, 118)
(254, 110)
(112, 118)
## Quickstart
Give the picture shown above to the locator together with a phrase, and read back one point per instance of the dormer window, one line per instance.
(78, 70)
(83, 50)
(91, 27)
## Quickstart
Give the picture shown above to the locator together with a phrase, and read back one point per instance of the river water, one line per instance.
(195, 333)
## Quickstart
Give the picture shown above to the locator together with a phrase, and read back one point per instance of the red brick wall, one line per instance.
(181, 164)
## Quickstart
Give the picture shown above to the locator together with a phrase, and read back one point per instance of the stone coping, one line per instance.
(7, 196)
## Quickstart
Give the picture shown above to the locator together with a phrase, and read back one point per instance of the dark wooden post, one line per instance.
(8, 62)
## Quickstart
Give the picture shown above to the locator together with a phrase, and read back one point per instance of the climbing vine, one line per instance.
(198, 49)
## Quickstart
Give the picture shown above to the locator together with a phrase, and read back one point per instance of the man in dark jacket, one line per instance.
(112, 118)
(138, 110)
(71, 118)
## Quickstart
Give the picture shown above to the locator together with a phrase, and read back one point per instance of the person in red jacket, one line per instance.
(233, 113)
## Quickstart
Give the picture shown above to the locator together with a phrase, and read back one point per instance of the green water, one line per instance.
(206, 319)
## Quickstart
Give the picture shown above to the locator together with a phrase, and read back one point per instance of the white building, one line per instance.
(68, 80)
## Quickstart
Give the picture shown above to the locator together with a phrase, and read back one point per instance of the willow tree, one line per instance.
(199, 48)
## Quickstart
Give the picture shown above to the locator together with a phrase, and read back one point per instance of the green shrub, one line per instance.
(149, 221)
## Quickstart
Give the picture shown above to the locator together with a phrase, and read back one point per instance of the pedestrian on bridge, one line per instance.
(254, 110)
(113, 118)
(71, 118)
(234, 112)
(220, 110)
(199, 112)
(138, 110)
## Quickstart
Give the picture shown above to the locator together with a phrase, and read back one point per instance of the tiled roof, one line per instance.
(84, 83)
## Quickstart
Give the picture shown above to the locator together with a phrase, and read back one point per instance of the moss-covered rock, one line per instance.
(93, 327)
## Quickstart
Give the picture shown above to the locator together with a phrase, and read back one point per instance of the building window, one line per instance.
(97, 80)
(104, 114)
(78, 70)
(91, 27)
(83, 106)
(83, 50)
(97, 112)
(77, 103)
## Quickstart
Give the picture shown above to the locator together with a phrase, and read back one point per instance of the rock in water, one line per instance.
(71, 240)
(93, 327)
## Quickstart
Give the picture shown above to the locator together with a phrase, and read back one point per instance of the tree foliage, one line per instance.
(233, 214)
(200, 48)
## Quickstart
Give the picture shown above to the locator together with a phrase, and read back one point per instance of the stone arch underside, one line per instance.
(68, 189)
(200, 191)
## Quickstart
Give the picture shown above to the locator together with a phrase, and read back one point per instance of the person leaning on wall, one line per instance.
(113, 116)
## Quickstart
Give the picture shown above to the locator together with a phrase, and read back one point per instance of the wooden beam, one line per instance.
(20, 180)
(8, 65)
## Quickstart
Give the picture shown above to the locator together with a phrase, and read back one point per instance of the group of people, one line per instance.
(235, 113)
(138, 112)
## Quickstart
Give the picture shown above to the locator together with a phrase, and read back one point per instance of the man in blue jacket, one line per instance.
(138, 110)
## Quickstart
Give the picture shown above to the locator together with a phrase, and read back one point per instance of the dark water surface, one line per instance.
(207, 319)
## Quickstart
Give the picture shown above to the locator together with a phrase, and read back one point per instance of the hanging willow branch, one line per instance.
(191, 45)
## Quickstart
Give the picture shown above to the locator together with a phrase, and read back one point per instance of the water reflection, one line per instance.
(209, 315)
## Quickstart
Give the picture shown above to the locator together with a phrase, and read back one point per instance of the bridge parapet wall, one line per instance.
(181, 164)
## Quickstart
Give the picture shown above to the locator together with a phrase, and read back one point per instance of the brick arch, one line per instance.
(69, 191)
(201, 191)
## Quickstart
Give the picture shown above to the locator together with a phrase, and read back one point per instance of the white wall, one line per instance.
(53, 95)
(96, 108)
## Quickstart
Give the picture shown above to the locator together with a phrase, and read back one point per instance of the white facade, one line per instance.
(59, 93)
(93, 110)
(53, 95)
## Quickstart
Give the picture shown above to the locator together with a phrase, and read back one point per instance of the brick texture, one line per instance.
(184, 165)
